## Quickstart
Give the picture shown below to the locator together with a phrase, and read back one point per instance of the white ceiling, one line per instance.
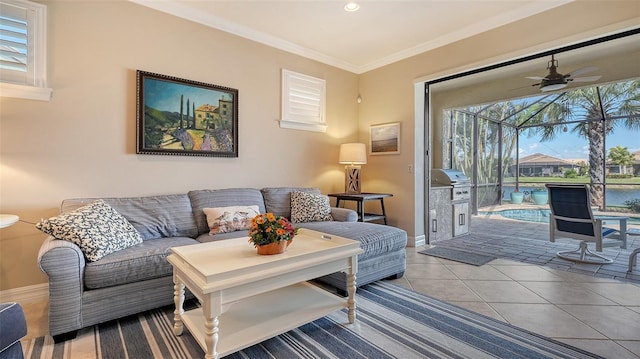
(379, 33)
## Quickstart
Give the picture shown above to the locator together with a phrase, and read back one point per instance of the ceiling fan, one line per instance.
(555, 81)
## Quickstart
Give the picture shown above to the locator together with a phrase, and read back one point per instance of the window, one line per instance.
(583, 135)
(303, 102)
(23, 50)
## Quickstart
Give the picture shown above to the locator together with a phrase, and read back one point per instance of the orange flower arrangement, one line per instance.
(268, 228)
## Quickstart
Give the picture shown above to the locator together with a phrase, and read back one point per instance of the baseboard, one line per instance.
(416, 241)
(30, 293)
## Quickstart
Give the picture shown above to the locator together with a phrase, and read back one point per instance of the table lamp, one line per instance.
(7, 220)
(352, 155)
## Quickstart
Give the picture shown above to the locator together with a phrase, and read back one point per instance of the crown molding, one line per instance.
(173, 8)
(186, 12)
(465, 32)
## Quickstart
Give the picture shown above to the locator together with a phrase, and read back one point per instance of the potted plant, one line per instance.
(271, 234)
(539, 196)
(516, 197)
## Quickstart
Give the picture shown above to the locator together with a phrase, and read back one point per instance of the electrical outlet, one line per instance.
(410, 168)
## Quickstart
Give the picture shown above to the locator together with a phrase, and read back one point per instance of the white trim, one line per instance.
(186, 12)
(175, 8)
(561, 42)
(302, 126)
(421, 156)
(500, 19)
(31, 293)
(25, 92)
(303, 102)
(35, 84)
(416, 241)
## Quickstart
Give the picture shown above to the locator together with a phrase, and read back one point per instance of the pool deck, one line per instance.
(528, 242)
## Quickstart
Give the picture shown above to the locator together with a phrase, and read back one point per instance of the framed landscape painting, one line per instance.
(385, 139)
(183, 117)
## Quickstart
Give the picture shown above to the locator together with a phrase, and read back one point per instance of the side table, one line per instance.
(360, 198)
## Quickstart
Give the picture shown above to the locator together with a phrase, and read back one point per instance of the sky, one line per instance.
(384, 132)
(568, 145)
(165, 95)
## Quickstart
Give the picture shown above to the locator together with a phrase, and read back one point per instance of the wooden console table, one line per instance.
(360, 199)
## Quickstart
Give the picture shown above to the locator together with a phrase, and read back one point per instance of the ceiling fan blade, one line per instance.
(585, 79)
(535, 77)
(581, 71)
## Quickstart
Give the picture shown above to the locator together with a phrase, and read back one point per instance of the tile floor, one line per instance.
(598, 314)
(585, 307)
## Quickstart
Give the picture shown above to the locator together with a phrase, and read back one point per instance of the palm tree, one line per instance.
(599, 110)
(596, 112)
(620, 156)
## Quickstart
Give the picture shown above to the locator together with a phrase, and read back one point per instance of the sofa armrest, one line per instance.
(64, 263)
(344, 214)
(13, 327)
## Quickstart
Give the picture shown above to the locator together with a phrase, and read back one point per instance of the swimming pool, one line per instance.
(533, 215)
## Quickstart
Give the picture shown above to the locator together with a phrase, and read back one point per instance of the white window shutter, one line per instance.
(303, 102)
(23, 50)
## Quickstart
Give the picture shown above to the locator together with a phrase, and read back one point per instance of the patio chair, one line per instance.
(571, 217)
(633, 257)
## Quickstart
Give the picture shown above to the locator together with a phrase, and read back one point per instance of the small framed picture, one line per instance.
(384, 139)
(184, 117)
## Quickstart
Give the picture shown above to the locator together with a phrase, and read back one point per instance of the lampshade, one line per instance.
(353, 153)
(7, 220)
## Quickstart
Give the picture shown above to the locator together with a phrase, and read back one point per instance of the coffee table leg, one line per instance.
(351, 289)
(178, 300)
(211, 309)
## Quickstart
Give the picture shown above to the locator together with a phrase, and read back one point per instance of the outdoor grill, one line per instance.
(461, 185)
(455, 190)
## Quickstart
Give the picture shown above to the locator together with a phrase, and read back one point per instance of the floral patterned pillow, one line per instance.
(309, 207)
(230, 219)
(96, 228)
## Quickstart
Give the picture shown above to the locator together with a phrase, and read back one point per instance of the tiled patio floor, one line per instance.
(528, 242)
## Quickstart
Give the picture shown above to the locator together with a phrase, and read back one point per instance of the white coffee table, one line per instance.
(247, 298)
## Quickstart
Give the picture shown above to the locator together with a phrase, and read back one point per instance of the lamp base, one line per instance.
(352, 179)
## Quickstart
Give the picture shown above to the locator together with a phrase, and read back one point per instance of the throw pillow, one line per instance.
(230, 219)
(96, 228)
(309, 207)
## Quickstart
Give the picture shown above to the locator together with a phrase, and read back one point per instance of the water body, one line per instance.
(614, 196)
(539, 215)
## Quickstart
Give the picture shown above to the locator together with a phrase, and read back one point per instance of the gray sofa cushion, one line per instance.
(152, 216)
(278, 199)
(375, 239)
(205, 198)
(138, 263)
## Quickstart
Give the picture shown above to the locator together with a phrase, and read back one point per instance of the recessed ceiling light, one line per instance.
(351, 6)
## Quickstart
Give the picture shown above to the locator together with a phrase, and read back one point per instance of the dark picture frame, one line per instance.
(186, 118)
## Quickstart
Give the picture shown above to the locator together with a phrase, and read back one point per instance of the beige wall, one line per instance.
(388, 92)
(82, 142)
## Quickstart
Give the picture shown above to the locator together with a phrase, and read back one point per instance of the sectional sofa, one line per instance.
(87, 289)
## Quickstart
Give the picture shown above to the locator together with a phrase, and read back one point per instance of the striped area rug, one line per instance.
(392, 322)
